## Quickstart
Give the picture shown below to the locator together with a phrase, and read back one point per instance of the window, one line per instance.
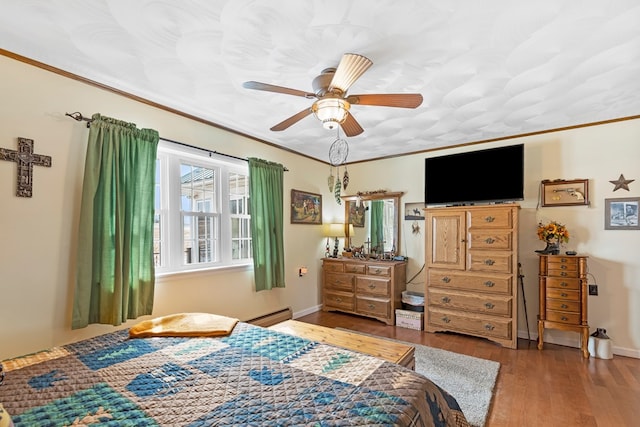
(202, 217)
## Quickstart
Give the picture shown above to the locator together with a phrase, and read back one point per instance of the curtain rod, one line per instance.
(80, 118)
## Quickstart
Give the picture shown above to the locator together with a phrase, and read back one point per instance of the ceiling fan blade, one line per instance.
(350, 126)
(291, 120)
(277, 89)
(351, 67)
(402, 100)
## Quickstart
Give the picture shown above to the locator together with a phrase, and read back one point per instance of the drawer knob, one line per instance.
(489, 305)
(489, 327)
(377, 271)
(446, 300)
(563, 260)
(446, 279)
(563, 267)
(564, 306)
(489, 262)
(489, 219)
(445, 319)
(564, 274)
(338, 299)
(564, 295)
(489, 241)
(489, 284)
(372, 306)
(372, 285)
(564, 284)
(564, 318)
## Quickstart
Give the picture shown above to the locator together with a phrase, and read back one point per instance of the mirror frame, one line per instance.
(377, 195)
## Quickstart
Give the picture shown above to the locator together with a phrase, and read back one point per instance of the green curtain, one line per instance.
(115, 270)
(377, 225)
(266, 204)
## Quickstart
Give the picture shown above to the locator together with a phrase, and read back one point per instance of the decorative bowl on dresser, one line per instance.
(563, 296)
(472, 265)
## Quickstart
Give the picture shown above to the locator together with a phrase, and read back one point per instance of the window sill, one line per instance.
(204, 271)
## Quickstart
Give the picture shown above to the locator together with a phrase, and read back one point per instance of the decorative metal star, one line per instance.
(622, 183)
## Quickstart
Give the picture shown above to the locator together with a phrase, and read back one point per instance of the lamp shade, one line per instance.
(333, 230)
(349, 231)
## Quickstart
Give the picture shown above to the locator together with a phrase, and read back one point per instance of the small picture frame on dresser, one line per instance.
(565, 193)
(621, 214)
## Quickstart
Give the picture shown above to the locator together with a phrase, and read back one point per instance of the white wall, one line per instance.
(598, 153)
(38, 235)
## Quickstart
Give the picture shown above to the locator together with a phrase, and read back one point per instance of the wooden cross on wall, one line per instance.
(25, 159)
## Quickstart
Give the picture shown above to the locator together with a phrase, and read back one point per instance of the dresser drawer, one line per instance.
(562, 273)
(335, 267)
(563, 305)
(495, 261)
(494, 240)
(563, 317)
(339, 281)
(373, 286)
(498, 327)
(561, 283)
(373, 306)
(379, 270)
(354, 268)
(490, 218)
(475, 283)
(340, 300)
(478, 303)
(565, 294)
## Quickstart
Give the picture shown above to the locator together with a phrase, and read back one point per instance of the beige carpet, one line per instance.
(470, 380)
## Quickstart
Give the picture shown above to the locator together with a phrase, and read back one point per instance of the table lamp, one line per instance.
(335, 231)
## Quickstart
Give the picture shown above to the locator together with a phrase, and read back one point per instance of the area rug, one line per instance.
(470, 380)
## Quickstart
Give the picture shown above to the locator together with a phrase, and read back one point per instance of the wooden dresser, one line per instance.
(472, 267)
(368, 288)
(563, 296)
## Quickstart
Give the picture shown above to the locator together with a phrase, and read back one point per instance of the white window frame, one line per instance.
(170, 156)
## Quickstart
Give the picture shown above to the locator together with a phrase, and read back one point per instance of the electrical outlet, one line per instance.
(593, 289)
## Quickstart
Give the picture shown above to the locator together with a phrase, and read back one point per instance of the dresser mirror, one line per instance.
(376, 223)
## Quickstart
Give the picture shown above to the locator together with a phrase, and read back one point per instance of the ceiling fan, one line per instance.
(332, 103)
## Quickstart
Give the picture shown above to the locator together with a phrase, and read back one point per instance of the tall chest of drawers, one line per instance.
(364, 287)
(563, 297)
(471, 259)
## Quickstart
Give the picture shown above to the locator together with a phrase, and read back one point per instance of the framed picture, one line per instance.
(306, 208)
(565, 193)
(356, 213)
(621, 214)
(414, 211)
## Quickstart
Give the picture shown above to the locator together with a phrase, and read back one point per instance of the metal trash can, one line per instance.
(599, 344)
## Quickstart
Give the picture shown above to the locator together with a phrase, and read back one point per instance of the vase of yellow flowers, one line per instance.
(553, 234)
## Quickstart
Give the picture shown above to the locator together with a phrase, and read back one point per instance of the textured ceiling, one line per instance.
(487, 69)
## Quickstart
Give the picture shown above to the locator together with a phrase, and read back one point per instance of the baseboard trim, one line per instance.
(306, 311)
(575, 343)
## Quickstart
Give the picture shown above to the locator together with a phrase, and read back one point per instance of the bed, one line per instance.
(252, 377)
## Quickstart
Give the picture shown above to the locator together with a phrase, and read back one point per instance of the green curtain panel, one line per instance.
(267, 213)
(115, 276)
(377, 225)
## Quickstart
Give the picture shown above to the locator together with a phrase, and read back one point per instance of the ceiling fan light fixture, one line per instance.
(331, 111)
(351, 67)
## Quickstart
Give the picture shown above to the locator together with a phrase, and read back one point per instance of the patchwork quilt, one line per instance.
(252, 377)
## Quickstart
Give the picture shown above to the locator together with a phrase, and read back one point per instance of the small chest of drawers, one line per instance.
(563, 296)
(366, 287)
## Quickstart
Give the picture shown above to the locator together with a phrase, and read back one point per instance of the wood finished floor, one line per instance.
(552, 387)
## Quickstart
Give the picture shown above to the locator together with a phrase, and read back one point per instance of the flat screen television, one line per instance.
(484, 176)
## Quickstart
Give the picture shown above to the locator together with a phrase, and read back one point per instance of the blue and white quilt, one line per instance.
(253, 377)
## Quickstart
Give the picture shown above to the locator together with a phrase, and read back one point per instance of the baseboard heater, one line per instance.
(272, 318)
